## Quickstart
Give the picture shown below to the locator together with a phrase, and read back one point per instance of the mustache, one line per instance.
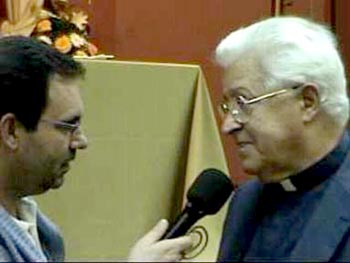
(72, 155)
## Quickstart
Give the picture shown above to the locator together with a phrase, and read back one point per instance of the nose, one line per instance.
(79, 142)
(229, 125)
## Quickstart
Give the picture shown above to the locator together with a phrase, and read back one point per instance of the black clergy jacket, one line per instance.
(326, 234)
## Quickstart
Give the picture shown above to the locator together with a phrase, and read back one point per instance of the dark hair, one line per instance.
(26, 66)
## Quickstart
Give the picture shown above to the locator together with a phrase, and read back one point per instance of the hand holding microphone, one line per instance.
(150, 249)
(206, 196)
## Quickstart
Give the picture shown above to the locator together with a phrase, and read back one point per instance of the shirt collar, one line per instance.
(27, 210)
(23, 224)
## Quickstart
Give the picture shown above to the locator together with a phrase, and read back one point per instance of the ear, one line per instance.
(8, 132)
(310, 102)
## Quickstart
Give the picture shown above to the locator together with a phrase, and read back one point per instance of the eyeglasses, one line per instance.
(71, 128)
(239, 106)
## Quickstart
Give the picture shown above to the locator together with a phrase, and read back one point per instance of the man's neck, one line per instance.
(319, 141)
(10, 203)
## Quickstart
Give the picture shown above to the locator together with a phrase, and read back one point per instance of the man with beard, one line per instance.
(285, 103)
(40, 114)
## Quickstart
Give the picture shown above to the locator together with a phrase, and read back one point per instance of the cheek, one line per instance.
(50, 152)
(277, 136)
(55, 143)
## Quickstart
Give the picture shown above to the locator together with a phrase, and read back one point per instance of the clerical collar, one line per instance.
(320, 171)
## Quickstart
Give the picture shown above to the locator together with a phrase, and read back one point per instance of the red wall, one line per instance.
(342, 27)
(319, 10)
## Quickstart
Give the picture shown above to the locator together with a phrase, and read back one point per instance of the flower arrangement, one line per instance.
(64, 28)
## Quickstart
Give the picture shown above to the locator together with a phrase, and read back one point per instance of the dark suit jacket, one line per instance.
(326, 236)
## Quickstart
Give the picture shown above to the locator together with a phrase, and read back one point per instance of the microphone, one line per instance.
(206, 196)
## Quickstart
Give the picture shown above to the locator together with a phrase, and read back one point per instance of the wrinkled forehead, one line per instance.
(243, 74)
(64, 97)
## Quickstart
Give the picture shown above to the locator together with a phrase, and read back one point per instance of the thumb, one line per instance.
(156, 232)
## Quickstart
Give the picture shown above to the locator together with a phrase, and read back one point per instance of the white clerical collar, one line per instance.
(288, 186)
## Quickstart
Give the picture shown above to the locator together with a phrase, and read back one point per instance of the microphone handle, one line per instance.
(182, 224)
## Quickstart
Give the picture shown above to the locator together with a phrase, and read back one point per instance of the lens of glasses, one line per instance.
(73, 129)
(237, 108)
(243, 109)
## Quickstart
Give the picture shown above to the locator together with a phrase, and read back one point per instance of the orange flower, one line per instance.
(92, 49)
(44, 26)
(63, 44)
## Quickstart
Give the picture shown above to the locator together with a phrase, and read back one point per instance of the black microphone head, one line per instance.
(210, 191)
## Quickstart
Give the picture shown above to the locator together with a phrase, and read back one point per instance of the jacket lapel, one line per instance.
(240, 223)
(328, 224)
(50, 239)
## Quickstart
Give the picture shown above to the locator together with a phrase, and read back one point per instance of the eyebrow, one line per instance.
(238, 91)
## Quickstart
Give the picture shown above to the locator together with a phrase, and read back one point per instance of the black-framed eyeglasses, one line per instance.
(71, 128)
(239, 106)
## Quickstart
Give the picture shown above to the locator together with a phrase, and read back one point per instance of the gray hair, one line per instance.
(292, 50)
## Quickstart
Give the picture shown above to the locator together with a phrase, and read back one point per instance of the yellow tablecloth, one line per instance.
(151, 130)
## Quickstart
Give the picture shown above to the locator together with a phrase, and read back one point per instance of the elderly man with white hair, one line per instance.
(285, 103)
